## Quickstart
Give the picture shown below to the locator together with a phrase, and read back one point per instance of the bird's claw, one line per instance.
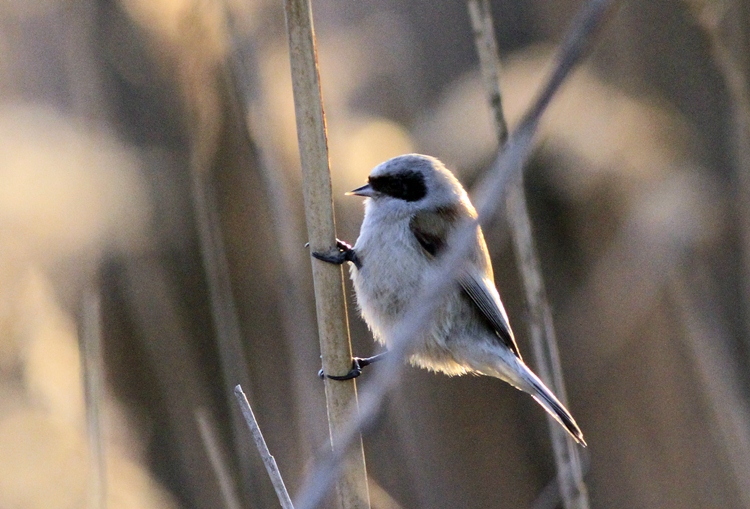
(342, 253)
(357, 364)
(344, 246)
(353, 373)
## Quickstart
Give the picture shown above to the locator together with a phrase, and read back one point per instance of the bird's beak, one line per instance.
(365, 190)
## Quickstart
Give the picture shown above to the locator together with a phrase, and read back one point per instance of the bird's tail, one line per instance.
(508, 367)
(552, 405)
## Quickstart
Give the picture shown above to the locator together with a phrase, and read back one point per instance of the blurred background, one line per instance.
(152, 232)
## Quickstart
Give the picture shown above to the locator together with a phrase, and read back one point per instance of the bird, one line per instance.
(413, 204)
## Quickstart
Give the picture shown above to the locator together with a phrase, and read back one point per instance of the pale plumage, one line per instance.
(413, 204)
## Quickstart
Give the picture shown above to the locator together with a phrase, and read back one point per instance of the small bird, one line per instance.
(412, 205)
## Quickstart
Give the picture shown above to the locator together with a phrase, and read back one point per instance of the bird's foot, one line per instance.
(357, 364)
(342, 253)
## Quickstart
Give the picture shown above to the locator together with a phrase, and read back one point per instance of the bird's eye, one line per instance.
(408, 186)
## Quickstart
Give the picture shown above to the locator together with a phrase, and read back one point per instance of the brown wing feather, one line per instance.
(431, 229)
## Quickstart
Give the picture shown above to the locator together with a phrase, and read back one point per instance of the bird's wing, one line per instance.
(484, 296)
(431, 229)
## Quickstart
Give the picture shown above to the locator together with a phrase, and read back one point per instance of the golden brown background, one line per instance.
(148, 157)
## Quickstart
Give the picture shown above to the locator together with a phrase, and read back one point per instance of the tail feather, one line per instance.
(510, 368)
(557, 410)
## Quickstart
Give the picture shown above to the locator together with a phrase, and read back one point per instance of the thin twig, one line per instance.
(507, 166)
(585, 26)
(489, 62)
(217, 458)
(330, 303)
(543, 340)
(93, 378)
(265, 454)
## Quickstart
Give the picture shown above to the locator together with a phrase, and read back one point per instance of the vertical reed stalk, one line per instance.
(544, 344)
(333, 327)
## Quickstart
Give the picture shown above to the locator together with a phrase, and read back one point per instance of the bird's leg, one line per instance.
(343, 253)
(357, 364)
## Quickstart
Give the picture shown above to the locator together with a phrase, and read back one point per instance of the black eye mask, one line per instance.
(408, 186)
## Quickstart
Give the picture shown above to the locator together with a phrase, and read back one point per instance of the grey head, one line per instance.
(412, 182)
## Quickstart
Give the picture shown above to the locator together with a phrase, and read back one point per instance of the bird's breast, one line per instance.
(390, 277)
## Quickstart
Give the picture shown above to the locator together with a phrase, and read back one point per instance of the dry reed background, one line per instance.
(149, 159)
